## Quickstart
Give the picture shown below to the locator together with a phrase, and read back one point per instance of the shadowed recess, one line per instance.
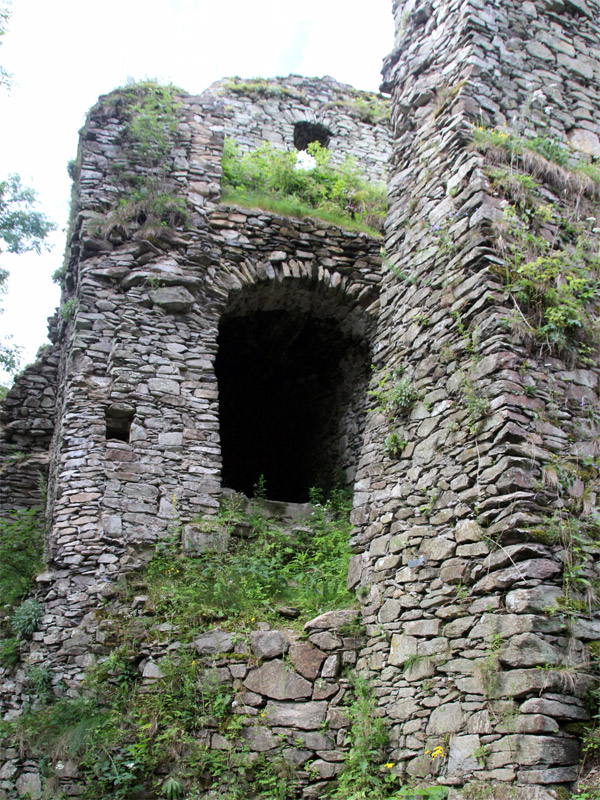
(307, 132)
(291, 402)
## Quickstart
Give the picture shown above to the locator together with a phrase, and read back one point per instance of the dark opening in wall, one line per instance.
(119, 417)
(291, 402)
(307, 132)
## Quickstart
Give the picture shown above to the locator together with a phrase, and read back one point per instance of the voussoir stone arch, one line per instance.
(292, 366)
(270, 286)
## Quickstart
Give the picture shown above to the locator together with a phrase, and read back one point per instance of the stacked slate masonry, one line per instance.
(136, 438)
(461, 587)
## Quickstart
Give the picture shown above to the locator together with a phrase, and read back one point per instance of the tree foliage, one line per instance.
(22, 228)
(5, 77)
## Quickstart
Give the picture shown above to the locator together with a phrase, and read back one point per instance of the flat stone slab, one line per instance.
(216, 641)
(306, 716)
(274, 679)
(332, 620)
(307, 659)
(175, 299)
(268, 644)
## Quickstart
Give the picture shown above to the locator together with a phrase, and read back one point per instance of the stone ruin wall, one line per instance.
(141, 347)
(436, 593)
(446, 606)
(357, 120)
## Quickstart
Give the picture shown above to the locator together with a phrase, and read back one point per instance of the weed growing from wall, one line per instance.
(269, 178)
(395, 394)
(550, 247)
(261, 88)
(366, 775)
(147, 196)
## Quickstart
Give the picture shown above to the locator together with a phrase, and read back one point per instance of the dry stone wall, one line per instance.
(258, 111)
(28, 419)
(464, 493)
(461, 590)
(136, 438)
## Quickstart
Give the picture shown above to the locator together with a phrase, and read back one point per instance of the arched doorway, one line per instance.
(292, 374)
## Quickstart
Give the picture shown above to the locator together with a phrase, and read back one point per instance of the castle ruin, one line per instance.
(475, 536)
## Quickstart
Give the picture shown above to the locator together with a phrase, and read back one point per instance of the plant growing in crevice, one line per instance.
(394, 445)
(395, 393)
(551, 267)
(147, 196)
(26, 617)
(69, 308)
(389, 264)
(488, 667)
(365, 774)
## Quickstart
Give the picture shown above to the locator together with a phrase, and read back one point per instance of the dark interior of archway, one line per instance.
(307, 132)
(282, 393)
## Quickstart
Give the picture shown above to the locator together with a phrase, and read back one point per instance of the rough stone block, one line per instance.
(273, 679)
(402, 648)
(528, 650)
(447, 718)
(306, 716)
(462, 758)
(307, 659)
(268, 644)
(214, 642)
(527, 750)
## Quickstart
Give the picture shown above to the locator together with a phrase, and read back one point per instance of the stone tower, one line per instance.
(475, 471)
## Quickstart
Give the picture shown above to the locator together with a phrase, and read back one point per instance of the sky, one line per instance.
(63, 54)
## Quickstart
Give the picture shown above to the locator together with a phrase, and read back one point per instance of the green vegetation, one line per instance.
(551, 264)
(269, 178)
(518, 145)
(147, 196)
(388, 264)
(370, 108)
(364, 775)
(249, 575)
(394, 445)
(576, 533)
(127, 736)
(394, 392)
(26, 618)
(21, 543)
(68, 309)
(127, 739)
(260, 88)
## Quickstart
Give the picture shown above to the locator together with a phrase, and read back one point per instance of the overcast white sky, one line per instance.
(64, 53)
